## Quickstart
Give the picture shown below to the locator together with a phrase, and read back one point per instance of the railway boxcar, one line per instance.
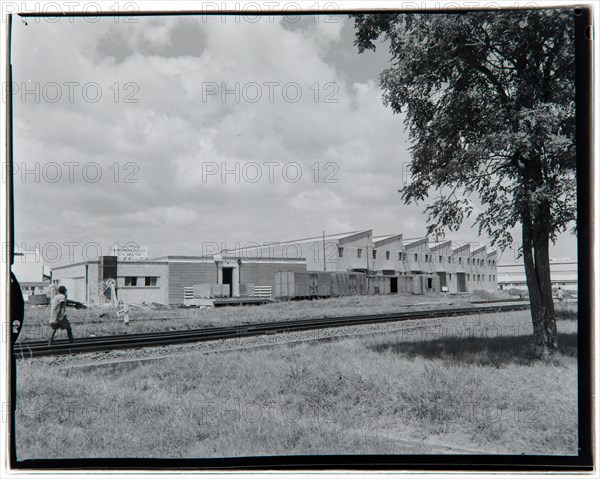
(317, 284)
(382, 284)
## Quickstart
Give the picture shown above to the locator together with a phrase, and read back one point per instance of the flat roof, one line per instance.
(34, 284)
(163, 259)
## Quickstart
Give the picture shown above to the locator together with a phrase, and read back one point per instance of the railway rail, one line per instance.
(33, 349)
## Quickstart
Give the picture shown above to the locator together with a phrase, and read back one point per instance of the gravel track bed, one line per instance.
(232, 344)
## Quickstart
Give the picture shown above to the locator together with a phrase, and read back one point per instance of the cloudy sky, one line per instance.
(123, 133)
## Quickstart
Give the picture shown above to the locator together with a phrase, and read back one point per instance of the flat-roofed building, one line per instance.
(563, 274)
(157, 280)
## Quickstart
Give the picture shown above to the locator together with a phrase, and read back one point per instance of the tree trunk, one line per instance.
(536, 259)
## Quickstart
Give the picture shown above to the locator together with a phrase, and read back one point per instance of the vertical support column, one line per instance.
(235, 281)
(219, 272)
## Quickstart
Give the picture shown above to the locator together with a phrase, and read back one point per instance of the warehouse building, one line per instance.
(163, 280)
(451, 269)
(158, 280)
(251, 270)
(563, 274)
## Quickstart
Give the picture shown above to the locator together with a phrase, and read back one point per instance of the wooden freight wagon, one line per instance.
(283, 285)
(348, 284)
(310, 284)
(340, 284)
(381, 284)
(317, 284)
(392, 284)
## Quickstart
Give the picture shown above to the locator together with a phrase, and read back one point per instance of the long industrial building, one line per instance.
(166, 280)
(563, 273)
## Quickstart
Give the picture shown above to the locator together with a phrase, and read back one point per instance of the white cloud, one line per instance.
(180, 123)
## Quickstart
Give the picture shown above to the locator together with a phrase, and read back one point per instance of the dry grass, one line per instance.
(98, 321)
(566, 311)
(459, 381)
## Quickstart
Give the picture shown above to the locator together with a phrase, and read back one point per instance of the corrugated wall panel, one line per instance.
(188, 274)
(263, 274)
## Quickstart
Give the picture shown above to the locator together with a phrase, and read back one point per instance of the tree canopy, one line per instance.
(489, 100)
(489, 103)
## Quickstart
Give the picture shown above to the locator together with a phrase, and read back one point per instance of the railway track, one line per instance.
(135, 341)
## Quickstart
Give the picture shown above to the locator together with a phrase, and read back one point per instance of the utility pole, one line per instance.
(324, 261)
(368, 280)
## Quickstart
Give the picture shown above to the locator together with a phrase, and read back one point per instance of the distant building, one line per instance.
(461, 269)
(563, 273)
(158, 280)
(253, 268)
(30, 271)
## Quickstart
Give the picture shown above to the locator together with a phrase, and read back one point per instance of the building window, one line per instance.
(490, 277)
(359, 253)
(493, 277)
(374, 254)
(416, 257)
(130, 280)
(468, 261)
(400, 256)
(151, 280)
(440, 260)
(341, 252)
(449, 259)
(387, 255)
(460, 260)
(403, 256)
(450, 276)
(468, 277)
(426, 258)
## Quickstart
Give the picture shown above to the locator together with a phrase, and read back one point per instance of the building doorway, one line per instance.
(393, 285)
(462, 284)
(228, 279)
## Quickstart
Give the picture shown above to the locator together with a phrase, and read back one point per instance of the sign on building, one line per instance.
(129, 252)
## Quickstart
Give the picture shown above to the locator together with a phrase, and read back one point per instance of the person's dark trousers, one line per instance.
(70, 333)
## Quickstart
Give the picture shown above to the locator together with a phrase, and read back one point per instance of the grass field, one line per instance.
(97, 321)
(470, 383)
(103, 320)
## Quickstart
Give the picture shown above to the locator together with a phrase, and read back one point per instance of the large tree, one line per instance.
(489, 103)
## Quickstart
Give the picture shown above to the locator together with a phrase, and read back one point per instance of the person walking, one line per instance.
(560, 294)
(58, 314)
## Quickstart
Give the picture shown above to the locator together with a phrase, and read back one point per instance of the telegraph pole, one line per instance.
(324, 261)
(368, 279)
